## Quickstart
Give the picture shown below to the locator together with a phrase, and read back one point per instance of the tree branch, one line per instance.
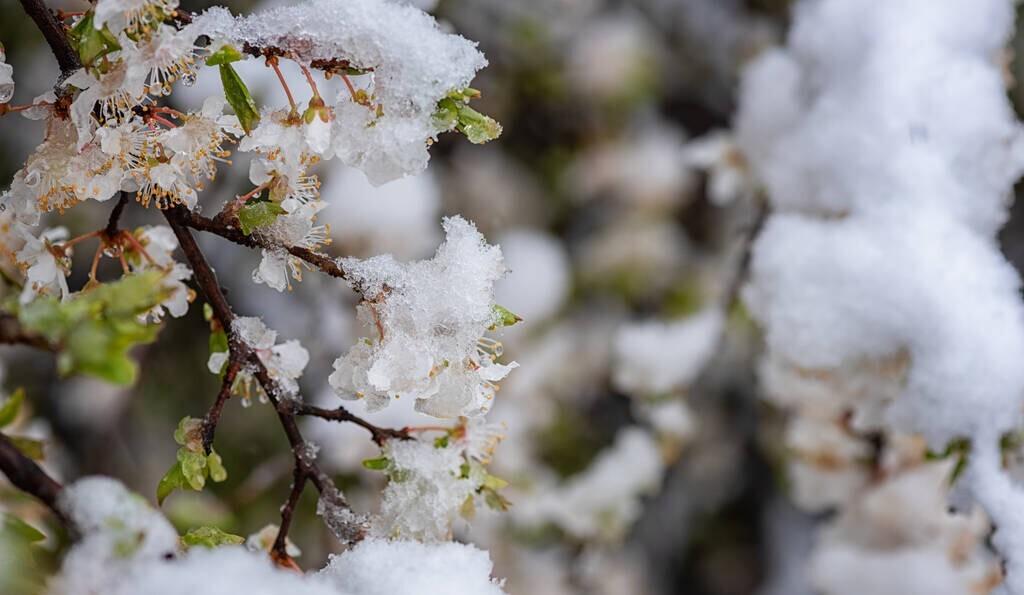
(53, 31)
(12, 333)
(28, 477)
(380, 435)
(212, 417)
(318, 260)
(305, 465)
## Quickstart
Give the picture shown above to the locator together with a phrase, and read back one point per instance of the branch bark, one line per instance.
(53, 32)
(324, 263)
(28, 477)
(380, 435)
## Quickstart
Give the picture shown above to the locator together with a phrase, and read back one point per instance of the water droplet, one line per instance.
(188, 79)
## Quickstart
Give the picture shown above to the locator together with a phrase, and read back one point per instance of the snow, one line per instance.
(427, 320)
(380, 567)
(654, 357)
(888, 149)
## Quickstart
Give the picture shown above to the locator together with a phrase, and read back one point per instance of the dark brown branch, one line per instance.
(380, 435)
(318, 260)
(53, 31)
(212, 417)
(747, 236)
(115, 214)
(279, 551)
(206, 279)
(12, 333)
(28, 477)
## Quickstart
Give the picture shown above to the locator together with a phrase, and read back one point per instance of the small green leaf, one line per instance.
(210, 537)
(9, 410)
(477, 127)
(193, 467)
(216, 466)
(96, 328)
(225, 55)
(503, 317)
(174, 479)
(441, 441)
(496, 501)
(207, 312)
(258, 215)
(378, 464)
(238, 96)
(20, 528)
(492, 482)
(90, 42)
(29, 447)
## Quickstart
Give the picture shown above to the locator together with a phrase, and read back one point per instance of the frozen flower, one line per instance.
(116, 91)
(168, 184)
(60, 176)
(45, 266)
(197, 144)
(293, 229)
(132, 15)
(426, 491)
(156, 245)
(6, 78)
(729, 178)
(285, 362)
(428, 319)
(165, 57)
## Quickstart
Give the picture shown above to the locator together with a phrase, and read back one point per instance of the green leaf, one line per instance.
(441, 441)
(477, 127)
(378, 464)
(96, 328)
(92, 43)
(210, 537)
(225, 55)
(503, 317)
(493, 482)
(9, 410)
(30, 447)
(238, 96)
(216, 466)
(496, 501)
(258, 215)
(16, 526)
(193, 468)
(174, 479)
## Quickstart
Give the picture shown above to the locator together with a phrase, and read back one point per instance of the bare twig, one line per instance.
(324, 263)
(380, 435)
(212, 417)
(53, 31)
(115, 214)
(206, 279)
(12, 333)
(28, 477)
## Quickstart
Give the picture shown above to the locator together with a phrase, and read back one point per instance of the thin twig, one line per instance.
(212, 417)
(12, 333)
(115, 215)
(324, 263)
(380, 435)
(28, 477)
(53, 31)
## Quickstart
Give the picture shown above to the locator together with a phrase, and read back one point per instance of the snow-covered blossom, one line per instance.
(116, 91)
(659, 357)
(118, 531)
(45, 268)
(379, 567)
(729, 177)
(284, 362)
(197, 144)
(159, 242)
(59, 175)
(426, 492)
(889, 180)
(428, 319)
(132, 15)
(604, 500)
(6, 78)
(293, 229)
(414, 66)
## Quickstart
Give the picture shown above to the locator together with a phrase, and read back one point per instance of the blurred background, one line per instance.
(640, 455)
